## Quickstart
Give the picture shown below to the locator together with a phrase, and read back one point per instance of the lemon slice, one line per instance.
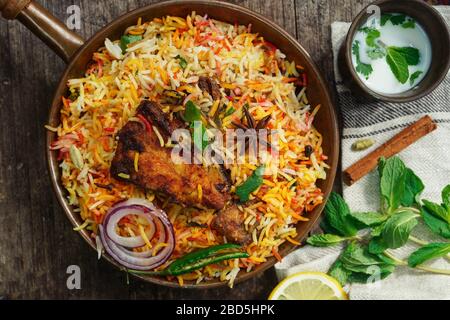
(308, 286)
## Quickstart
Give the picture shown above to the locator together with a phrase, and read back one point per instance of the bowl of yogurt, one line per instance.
(396, 51)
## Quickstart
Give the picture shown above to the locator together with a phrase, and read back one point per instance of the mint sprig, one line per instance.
(366, 256)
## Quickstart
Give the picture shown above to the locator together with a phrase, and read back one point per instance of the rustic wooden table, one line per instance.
(37, 243)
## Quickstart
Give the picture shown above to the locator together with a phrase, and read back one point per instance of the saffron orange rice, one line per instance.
(252, 71)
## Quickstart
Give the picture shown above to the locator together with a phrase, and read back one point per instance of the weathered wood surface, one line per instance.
(37, 243)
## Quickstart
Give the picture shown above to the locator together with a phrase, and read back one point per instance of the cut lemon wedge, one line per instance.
(308, 286)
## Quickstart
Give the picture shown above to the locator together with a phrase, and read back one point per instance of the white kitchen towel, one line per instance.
(430, 160)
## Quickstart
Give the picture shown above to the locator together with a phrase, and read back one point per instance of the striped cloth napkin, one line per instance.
(429, 158)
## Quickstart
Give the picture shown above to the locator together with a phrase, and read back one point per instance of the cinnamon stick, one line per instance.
(399, 142)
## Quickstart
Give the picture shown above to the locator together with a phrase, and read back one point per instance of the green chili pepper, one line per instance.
(229, 112)
(199, 259)
(192, 113)
(204, 262)
(251, 184)
(205, 253)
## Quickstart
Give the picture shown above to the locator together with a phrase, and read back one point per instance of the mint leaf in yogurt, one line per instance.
(411, 54)
(398, 19)
(385, 17)
(372, 35)
(414, 77)
(398, 64)
(409, 24)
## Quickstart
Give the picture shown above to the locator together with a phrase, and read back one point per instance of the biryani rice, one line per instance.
(252, 71)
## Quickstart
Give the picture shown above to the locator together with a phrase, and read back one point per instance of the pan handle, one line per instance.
(44, 25)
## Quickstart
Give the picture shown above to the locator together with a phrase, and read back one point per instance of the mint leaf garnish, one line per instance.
(398, 64)
(414, 77)
(410, 24)
(412, 55)
(385, 18)
(372, 35)
(362, 68)
(398, 19)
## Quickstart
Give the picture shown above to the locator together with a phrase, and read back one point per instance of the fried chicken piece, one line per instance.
(229, 222)
(156, 170)
(211, 86)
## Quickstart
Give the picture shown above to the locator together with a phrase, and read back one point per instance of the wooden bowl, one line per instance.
(437, 31)
(64, 43)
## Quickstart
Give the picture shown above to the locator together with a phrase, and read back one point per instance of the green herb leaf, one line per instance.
(127, 40)
(413, 188)
(377, 245)
(412, 55)
(414, 77)
(251, 184)
(428, 252)
(385, 18)
(446, 197)
(376, 231)
(229, 111)
(327, 228)
(437, 210)
(392, 182)
(356, 264)
(183, 63)
(397, 229)
(369, 219)
(192, 113)
(376, 53)
(386, 259)
(362, 68)
(358, 260)
(409, 24)
(372, 274)
(398, 19)
(398, 64)
(324, 240)
(199, 135)
(355, 257)
(371, 35)
(436, 225)
(337, 214)
(338, 272)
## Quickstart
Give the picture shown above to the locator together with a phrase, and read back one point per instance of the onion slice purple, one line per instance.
(118, 246)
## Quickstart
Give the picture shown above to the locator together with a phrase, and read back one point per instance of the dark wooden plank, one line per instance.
(313, 29)
(37, 243)
(313, 23)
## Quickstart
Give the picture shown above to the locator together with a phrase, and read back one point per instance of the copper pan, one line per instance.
(77, 53)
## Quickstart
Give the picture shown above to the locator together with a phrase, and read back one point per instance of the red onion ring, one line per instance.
(116, 246)
(131, 242)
